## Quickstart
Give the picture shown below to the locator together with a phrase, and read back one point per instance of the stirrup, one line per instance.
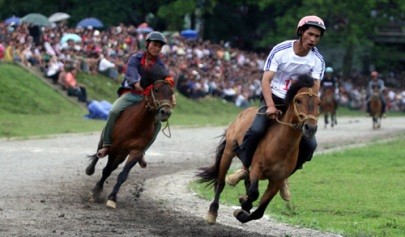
(103, 152)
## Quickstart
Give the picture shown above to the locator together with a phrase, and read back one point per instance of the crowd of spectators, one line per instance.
(201, 68)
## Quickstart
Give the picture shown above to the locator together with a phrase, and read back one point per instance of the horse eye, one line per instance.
(298, 101)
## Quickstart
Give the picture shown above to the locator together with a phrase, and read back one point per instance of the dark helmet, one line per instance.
(310, 21)
(155, 36)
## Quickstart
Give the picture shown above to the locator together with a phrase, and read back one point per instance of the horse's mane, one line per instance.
(303, 80)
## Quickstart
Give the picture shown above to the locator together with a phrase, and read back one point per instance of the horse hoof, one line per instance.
(111, 204)
(142, 163)
(237, 213)
(243, 198)
(90, 170)
(211, 218)
(91, 197)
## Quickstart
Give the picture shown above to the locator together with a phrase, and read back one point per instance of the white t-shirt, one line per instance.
(288, 66)
(105, 64)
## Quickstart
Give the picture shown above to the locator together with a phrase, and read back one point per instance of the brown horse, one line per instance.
(376, 108)
(328, 106)
(276, 155)
(132, 135)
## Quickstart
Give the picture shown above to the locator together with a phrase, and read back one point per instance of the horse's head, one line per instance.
(304, 103)
(159, 98)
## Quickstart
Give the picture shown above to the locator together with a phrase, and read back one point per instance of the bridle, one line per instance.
(154, 105)
(302, 117)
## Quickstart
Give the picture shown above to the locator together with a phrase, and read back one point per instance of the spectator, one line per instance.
(73, 88)
(2, 50)
(107, 67)
(54, 69)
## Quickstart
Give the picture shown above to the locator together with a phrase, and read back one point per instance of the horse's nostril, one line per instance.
(164, 112)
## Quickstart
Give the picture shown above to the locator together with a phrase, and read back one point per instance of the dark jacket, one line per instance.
(137, 73)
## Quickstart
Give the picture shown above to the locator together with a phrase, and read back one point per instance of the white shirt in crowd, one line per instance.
(105, 64)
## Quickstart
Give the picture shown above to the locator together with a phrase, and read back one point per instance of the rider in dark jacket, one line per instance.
(143, 69)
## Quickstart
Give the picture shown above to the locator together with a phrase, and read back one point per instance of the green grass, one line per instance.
(30, 107)
(354, 192)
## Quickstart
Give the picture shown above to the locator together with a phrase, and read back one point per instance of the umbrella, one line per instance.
(69, 36)
(58, 16)
(189, 34)
(144, 28)
(13, 19)
(91, 21)
(36, 19)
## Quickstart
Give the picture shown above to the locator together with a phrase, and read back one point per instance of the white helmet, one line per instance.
(311, 21)
(329, 70)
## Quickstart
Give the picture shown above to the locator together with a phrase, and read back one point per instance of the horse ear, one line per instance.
(170, 80)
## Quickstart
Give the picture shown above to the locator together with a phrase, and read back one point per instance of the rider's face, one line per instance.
(311, 37)
(154, 48)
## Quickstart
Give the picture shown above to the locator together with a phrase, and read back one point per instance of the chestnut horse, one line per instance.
(328, 106)
(132, 135)
(276, 155)
(376, 108)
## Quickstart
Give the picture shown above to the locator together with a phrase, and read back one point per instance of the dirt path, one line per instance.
(44, 190)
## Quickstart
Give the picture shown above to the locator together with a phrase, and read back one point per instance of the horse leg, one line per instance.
(334, 117)
(108, 169)
(212, 213)
(252, 194)
(225, 163)
(326, 119)
(243, 216)
(122, 177)
(94, 158)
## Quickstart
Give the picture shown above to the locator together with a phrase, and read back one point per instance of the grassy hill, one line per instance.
(31, 107)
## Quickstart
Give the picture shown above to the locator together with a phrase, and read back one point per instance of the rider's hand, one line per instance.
(272, 111)
(138, 86)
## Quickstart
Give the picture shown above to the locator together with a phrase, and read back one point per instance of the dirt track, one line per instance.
(44, 189)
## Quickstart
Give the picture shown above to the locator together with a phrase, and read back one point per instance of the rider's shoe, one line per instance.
(103, 152)
(285, 191)
(233, 179)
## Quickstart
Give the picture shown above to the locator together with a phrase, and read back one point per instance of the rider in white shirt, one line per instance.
(285, 62)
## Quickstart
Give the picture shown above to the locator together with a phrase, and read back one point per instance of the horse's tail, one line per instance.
(210, 174)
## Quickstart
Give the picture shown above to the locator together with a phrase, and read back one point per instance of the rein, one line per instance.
(299, 114)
